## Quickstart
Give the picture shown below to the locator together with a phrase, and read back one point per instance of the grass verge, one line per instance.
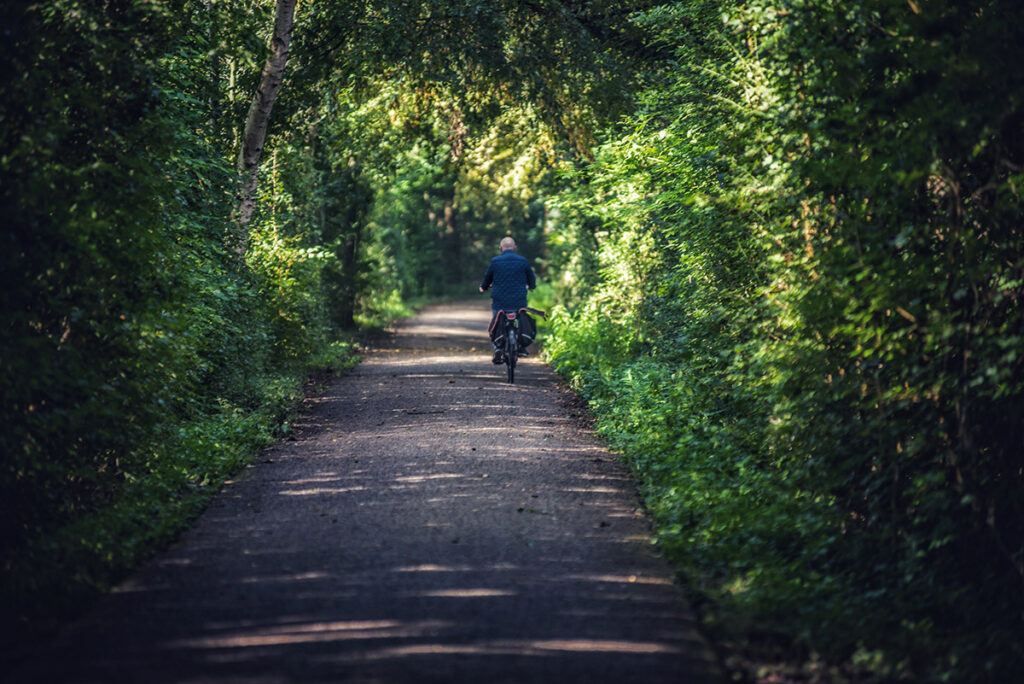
(58, 576)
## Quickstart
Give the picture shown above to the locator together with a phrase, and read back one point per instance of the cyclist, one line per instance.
(511, 276)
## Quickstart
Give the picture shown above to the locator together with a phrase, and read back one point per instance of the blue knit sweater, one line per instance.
(511, 275)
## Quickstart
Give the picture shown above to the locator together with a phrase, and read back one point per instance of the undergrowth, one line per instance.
(179, 469)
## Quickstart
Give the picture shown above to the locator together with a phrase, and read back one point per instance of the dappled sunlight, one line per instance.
(422, 514)
(604, 477)
(631, 540)
(442, 331)
(421, 361)
(447, 498)
(430, 567)
(619, 579)
(295, 577)
(423, 478)
(623, 514)
(379, 631)
(523, 648)
(442, 649)
(595, 646)
(314, 491)
(313, 633)
(463, 593)
(591, 490)
(319, 479)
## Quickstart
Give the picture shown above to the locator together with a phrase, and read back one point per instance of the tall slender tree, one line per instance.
(258, 119)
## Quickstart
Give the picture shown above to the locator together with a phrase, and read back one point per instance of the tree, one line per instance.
(258, 118)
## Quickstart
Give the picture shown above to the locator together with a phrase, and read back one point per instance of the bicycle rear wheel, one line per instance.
(511, 355)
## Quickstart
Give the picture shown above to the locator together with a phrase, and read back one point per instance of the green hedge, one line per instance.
(792, 295)
(142, 360)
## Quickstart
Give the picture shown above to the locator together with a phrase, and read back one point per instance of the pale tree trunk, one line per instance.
(259, 116)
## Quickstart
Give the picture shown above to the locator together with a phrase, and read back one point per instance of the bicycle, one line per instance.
(510, 338)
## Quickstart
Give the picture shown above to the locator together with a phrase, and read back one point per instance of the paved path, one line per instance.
(429, 523)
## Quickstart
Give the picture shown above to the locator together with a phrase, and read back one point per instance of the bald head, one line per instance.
(507, 244)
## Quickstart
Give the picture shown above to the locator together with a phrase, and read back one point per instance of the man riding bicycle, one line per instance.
(511, 276)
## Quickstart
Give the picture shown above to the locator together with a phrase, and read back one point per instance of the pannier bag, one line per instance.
(527, 328)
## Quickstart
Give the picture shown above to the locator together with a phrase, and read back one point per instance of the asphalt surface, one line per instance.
(428, 522)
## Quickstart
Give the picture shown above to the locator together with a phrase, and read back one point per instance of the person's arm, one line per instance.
(488, 278)
(531, 279)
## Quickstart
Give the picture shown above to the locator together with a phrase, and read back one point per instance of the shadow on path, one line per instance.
(429, 523)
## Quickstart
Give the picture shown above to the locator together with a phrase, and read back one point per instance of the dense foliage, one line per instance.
(143, 361)
(785, 238)
(144, 358)
(794, 279)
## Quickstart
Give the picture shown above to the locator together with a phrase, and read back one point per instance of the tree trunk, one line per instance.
(347, 305)
(454, 236)
(259, 116)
